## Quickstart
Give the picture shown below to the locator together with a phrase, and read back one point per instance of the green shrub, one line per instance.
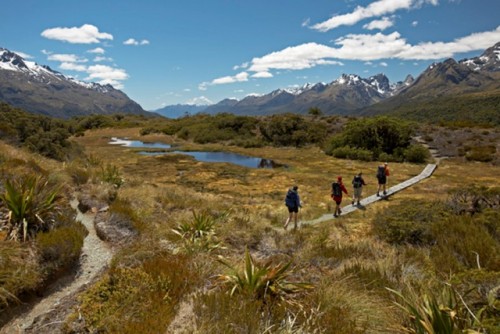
(347, 152)
(409, 222)
(60, 248)
(111, 174)
(377, 135)
(416, 154)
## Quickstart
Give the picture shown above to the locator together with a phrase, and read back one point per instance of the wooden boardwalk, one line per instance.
(428, 170)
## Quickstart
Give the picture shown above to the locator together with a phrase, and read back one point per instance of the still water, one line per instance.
(233, 158)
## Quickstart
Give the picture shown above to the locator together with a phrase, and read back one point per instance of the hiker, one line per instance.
(382, 174)
(292, 202)
(357, 183)
(337, 189)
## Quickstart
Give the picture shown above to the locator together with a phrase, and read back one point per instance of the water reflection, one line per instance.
(233, 158)
(137, 143)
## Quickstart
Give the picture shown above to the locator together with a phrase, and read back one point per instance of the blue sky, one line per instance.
(185, 51)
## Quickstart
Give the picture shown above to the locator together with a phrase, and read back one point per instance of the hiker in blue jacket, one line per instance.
(292, 202)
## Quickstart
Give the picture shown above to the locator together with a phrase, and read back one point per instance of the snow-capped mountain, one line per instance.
(39, 89)
(341, 96)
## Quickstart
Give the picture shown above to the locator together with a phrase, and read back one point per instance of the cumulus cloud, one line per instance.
(107, 75)
(133, 41)
(375, 9)
(368, 47)
(98, 59)
(240, 77)
(86, 34)
(382, 24)
(242, 66)
(414, 23)
(73, 67)
(68, 58)
(97, 50)
(263, 74)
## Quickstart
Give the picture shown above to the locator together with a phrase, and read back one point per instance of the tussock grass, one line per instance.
(350, 261)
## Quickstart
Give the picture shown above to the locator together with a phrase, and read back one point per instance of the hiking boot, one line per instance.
(385, 192)
(378, 195)
(358, 203)
(335, 215)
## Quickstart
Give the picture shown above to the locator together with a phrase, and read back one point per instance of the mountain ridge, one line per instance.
(39, 89)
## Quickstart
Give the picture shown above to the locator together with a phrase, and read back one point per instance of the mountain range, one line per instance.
(352, 95)
(41, 90)
(476, 81)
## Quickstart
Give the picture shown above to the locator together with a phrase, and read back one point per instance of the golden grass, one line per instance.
(340, 256)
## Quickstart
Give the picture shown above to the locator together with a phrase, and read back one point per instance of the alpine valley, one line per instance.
(449, 90)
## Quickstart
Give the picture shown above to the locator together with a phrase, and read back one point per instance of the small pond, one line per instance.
(233, 158)
(137, 143)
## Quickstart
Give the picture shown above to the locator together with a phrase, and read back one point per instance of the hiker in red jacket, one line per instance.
(337, 189)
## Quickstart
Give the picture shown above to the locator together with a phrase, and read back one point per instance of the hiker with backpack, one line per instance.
(357, 183)
(382, 174)
(337, 189)
(292, 202)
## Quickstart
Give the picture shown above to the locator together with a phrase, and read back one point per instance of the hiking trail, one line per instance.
(95, 256)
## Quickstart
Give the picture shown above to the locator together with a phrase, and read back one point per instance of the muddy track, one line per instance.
(96, 255)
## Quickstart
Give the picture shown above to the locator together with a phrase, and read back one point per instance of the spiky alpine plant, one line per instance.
(261, 281)
(199, 234)
(32, 203)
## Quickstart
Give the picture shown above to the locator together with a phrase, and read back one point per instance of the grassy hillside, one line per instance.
(475, 109)
(209, 253)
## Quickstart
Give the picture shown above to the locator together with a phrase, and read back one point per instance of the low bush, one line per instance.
(416, 154)
(347, 152)
(19, 271)
(481, 153)
(409, 222)
(61, 247)
(138, 299)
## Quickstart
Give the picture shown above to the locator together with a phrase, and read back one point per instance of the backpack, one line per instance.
(357, 182)
(336, 189)
(291, 199)
(380, 172)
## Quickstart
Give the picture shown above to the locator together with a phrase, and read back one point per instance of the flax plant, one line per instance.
(261, 281)
(32, 203)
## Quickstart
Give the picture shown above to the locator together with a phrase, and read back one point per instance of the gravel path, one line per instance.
(96, 255)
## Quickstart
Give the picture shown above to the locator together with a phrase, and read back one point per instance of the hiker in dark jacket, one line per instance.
(357, 183)
(292, 202)
(382, 174)
(337, 189)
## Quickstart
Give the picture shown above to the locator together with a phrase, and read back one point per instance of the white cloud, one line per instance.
(238, 91)
(414, 23)
(295, 58)
(262, 74)
(242, 66)
(97, 50)
(98, 59)
(73, 67)
(383, 64)
(375, 9)
(306, 22)
(133, 41)
(240, 77)
(382, 24)
(369, 48)
(187, 89)
(86, 34)
(107, 75)
(68, 58)
(201, 100)
(45, 52)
